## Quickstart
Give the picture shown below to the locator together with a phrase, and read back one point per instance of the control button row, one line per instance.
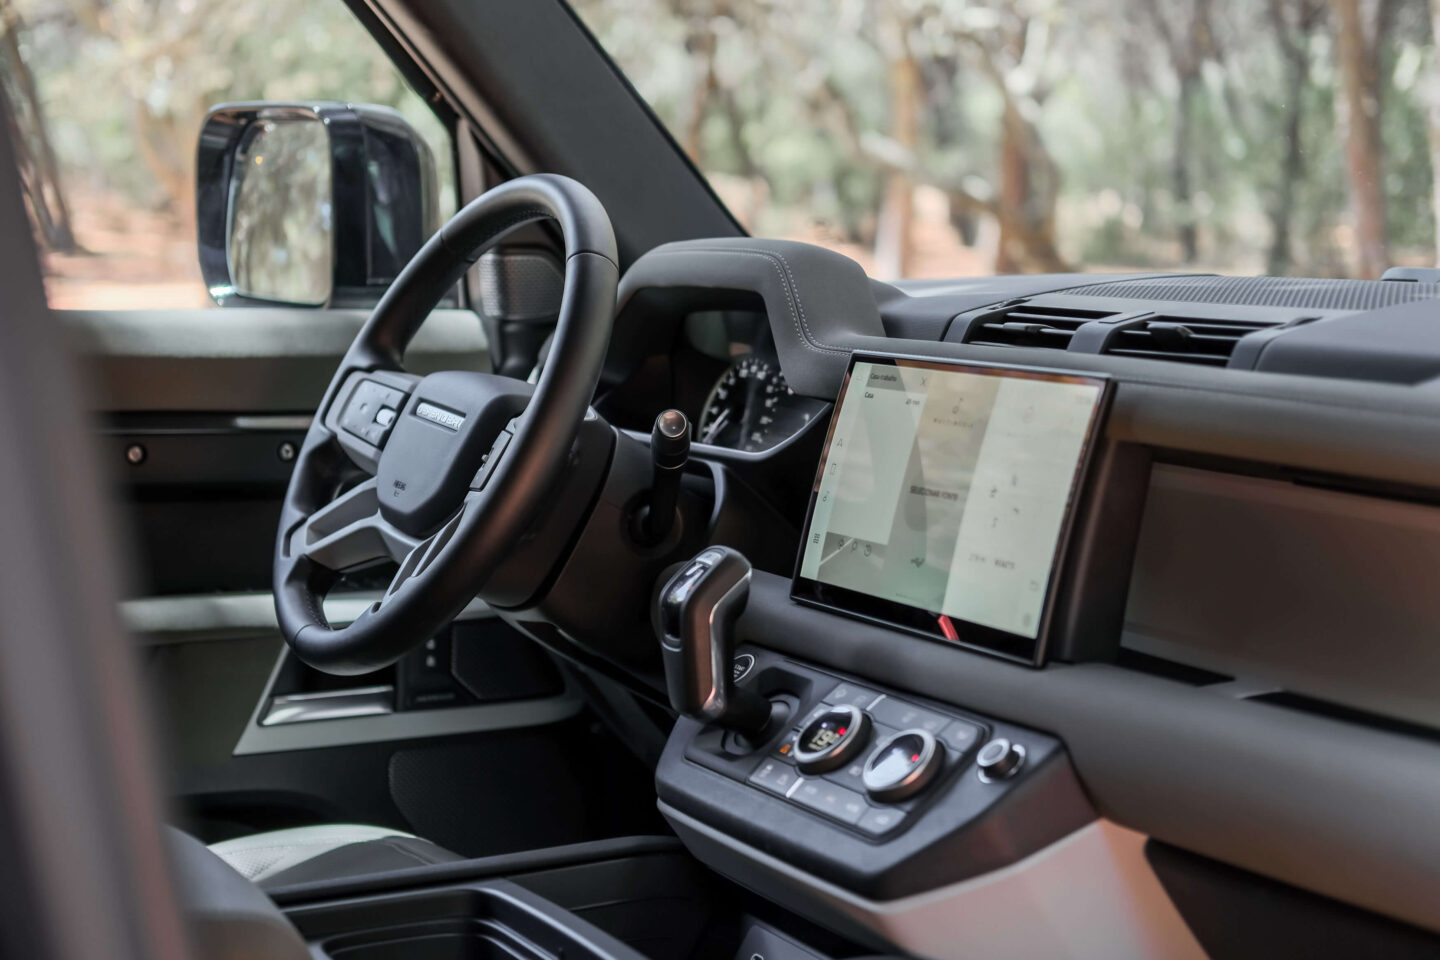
(960, 736)
(835, 801)
(851, 776)
(775, 776)
(907, 716)
(831, 799)
(371, 411)
(849, 694)
(881, 820)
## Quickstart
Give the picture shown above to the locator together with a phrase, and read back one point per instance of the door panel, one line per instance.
(245, 360)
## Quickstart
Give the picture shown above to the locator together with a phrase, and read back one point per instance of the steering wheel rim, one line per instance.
(442, 572)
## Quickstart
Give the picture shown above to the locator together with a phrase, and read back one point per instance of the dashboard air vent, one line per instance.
(1183, 339)
(1030, 326)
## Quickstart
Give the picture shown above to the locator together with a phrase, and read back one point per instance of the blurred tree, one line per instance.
(895, 231)
(1294, 23)
(35, 154)
(1361, 28)
(1187, 34)
(1015, 56)
(1432, 97)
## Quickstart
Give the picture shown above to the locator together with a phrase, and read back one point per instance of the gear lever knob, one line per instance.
(698, 608)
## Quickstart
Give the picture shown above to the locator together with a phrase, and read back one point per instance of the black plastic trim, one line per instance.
(503, 865)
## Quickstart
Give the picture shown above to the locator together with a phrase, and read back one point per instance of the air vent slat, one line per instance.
(1199, 340)
(1026, 325)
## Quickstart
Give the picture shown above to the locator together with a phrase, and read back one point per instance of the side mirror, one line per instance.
(311, 205)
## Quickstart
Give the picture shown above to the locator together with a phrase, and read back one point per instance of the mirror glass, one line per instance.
(281, 244)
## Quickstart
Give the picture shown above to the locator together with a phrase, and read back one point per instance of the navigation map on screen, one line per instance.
(946, 489)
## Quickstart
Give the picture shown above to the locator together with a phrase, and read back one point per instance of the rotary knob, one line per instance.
(903, 765)
(832, 739)
(999, 759)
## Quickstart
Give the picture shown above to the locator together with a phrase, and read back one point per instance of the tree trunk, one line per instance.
(46, 192)
(1180, 182)
(1359, 108)
(1433, 114)
(1292, 167)
(702, 52)
(893, 241)
(1014, 192)
(1026, 199)
(1292, 163)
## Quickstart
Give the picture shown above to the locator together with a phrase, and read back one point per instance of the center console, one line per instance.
(880, 792)
(941, 515)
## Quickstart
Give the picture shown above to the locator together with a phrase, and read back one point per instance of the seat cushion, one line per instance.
(326, 852)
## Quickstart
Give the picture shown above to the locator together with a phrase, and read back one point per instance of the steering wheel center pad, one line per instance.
(439, 443)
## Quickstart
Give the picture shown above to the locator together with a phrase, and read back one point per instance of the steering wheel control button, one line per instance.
(881, 820)
(847, 806)
(832, 739)
(907, 716)
(775, 776)
(490, 459)
(365, 414)
(1000, 760)
(903, 765)
(849, 694)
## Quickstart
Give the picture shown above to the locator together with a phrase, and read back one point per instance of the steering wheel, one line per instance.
(453, 467)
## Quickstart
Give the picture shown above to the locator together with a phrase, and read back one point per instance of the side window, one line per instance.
(109, 98)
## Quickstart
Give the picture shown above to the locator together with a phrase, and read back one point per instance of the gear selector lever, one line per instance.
(698, 608)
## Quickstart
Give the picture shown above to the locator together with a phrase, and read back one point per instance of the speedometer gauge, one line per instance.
(752, 408)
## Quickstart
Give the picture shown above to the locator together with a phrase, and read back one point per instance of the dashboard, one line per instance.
(1238, 670)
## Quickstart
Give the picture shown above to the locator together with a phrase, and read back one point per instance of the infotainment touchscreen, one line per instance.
(944, 498)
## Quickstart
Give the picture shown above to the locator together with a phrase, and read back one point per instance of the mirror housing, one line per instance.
(347, 197)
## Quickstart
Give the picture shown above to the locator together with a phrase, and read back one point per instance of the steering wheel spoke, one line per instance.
(350, 531)
(420, 558)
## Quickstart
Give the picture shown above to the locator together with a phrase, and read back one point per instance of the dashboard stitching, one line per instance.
(792, 294)
(796, 287)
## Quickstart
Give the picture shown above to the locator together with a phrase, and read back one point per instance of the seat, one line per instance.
(281, 858)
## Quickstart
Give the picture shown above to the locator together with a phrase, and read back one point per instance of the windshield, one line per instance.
(950, 138)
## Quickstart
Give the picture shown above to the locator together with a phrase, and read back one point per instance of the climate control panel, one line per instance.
(864, 758)
(874, 789)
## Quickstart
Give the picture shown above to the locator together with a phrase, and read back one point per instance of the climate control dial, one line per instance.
(832, 739)
(903, 765)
